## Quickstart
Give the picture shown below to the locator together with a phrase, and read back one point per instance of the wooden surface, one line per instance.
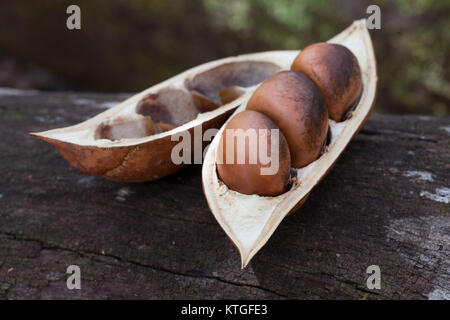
(386, 202)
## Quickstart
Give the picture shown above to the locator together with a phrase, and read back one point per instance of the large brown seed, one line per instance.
(296, 106)
(335, 70)
(241, 174)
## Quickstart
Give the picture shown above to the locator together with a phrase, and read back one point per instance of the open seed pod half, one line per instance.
(134, 140)
(250, 220)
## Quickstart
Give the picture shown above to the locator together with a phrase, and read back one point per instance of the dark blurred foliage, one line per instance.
(131, 45)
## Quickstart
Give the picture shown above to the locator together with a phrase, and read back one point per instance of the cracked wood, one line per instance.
(385, 203)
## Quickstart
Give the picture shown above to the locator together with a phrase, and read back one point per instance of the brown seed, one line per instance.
(335, 70)
(244, 172)
(296, 106)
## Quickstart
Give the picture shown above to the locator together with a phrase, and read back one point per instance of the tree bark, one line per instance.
(385, 203)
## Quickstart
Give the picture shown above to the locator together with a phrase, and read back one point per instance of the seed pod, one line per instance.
(253, 156)
(296, 105)
(335, 70)
(133, 141)
(250, 220)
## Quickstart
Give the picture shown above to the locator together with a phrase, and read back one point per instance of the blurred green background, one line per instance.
(127, 46)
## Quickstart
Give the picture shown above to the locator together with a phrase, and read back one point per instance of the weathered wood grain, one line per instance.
(386, 202)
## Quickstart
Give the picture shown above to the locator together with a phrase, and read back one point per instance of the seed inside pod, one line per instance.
(296, 106)
(253, 156)
(335, 70)
(126, 127)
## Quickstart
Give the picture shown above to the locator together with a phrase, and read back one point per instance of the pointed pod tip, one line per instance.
(35, 134)
(43, 137)
(244, 263)
(38, 135)
(245, 258)
(360, 21)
